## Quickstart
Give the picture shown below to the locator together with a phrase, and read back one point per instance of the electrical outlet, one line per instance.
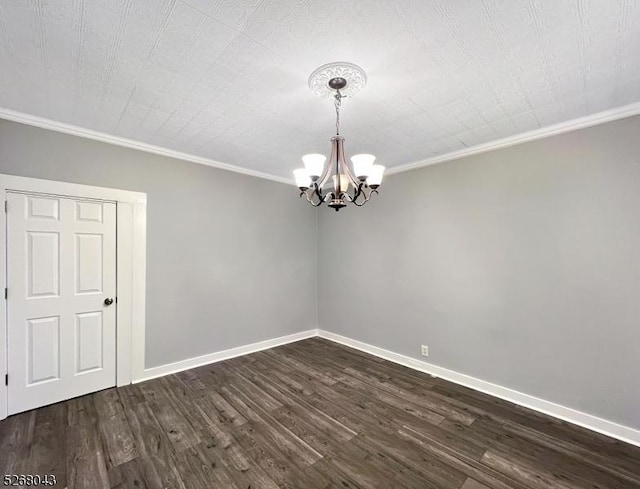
(425, 351)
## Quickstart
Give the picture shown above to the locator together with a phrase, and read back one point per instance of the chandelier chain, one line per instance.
(338, 103)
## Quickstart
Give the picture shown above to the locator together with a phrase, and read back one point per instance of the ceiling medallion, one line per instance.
(320, 78)
(337, 183)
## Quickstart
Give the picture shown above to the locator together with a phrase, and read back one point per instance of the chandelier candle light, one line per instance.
(337, 81)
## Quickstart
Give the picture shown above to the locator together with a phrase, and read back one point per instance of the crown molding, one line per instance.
(32, 120)
(541, 133)
(525, 137)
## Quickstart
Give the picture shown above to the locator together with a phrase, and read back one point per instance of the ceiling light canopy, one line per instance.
(337, 183)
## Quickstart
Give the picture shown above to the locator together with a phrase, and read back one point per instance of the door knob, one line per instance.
(108, 301)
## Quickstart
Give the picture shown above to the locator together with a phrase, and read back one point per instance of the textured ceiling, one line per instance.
(227, 80)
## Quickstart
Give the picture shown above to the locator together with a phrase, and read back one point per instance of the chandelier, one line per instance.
(336, 183)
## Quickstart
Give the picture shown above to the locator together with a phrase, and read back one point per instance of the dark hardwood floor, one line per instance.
(312, 414)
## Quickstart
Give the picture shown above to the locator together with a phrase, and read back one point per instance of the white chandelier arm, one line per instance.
(327, 169)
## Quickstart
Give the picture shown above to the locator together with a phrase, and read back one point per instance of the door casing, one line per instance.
(131, 215)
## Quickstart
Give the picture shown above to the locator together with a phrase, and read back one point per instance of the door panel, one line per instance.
(89, 254)
(43, 207)
(43, 264)
(61, 268)
(43, 350)
(89, 211)
(89, 341)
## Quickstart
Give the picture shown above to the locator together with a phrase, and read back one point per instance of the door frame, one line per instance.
(131, 230)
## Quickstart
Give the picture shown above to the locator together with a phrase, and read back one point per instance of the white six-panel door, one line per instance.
(61, 267)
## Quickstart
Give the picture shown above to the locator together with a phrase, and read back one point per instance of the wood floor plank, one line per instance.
(130, 475)
(296, 449)
(554, 466)
(460, 462)
(241, 468)
(386, 406)
(533, 477)
(318, 437)
(116, 436)
(178, 430)
(168, 412)
(276, 464)
(619, 467)
(266, 401)
(473, 484)
(86, 460)
(156, 453)
(16, 437)
(107, 403)
(358, 464)
(338, 478)
(198, 471)
(424, 399)
(298, 366)
(144, 431)
(313, 415)
(130, 395)
(392, 399)
(317, 418)
(118, 440)
(390, 447)
(47, 453)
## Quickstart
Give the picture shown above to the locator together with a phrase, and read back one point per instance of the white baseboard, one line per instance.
(609, 428)
(594, 423)
(171, 368)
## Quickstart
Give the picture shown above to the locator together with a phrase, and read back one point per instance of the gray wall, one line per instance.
(231, 259)
(520, 267)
